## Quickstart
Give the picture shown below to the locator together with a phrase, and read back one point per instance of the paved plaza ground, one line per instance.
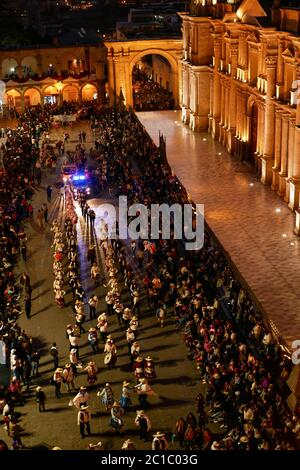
(177, 382)
(253, 224)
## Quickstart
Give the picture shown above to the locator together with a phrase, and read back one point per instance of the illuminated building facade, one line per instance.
(239, 76)
(52, 75)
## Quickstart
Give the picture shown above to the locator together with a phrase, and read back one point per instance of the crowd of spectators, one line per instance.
(149, 95)
(242, 369)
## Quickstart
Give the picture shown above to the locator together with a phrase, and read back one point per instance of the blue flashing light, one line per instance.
(82, 177)
(75, 178)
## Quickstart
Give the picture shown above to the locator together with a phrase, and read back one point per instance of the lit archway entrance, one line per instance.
(70, 93)
(51, 95)
(89, 93)
(32, 97)
(14, 100)
(152, 84)
(123, 56)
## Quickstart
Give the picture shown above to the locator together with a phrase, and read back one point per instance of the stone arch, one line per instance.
(30, 63)
(13, 100)
(9, 66)
(173, 62)
(70, 93)
(50, 94)
(88, 91)
(32, 96)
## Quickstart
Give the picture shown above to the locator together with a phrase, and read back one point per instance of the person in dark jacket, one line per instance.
(27, 305)
(40, 398)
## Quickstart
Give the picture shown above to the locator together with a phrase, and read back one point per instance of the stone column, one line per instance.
(292, 121)
(284, 154)
(232, 98)
(186, 93)
(277, 150)
(217, 89)
(268, 155)
(221, 122)
(295, 180)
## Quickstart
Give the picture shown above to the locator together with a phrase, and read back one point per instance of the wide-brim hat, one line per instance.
(139, 359)
(136, 293)
(85, 407)
(82, 388)
(126, 383)
(91, 363)
(92, 330)
(158, 434)
(116, 404)
(148, 358)
(67, 366)
(126, 310)
(143, 380)
(59, 369)
(38, 389)
(126, 443)
(140, 412)
(134, 318)
(73, 351)
(93, 446)
(244, 439)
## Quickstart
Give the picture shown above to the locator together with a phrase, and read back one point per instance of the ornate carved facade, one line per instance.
(240, 84)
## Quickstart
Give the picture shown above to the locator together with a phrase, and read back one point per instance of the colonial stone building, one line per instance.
(239, 82)
(51, 75)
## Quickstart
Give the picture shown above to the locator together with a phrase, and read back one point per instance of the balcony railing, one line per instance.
(56, 76)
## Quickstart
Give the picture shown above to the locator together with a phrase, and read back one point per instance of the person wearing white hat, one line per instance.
(129, 339)
(125, 400)
(68, 377)
(83, 420)
(102, 324)
(128, 445)
(110, 348)
(149, 370)
(159, 442)
(107, 396)
(93, 339)
(93, 302)
(109, 303)
(57, 379)
(40, 398)
(134, 323)
(144, 423)
(127, 315)
(136, 302)
(135, 351)
(91, 370)
(144, 389)
(81, 399)
(116, 420)
(73, 360)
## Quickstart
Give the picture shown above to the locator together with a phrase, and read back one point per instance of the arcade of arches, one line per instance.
(18, 99)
